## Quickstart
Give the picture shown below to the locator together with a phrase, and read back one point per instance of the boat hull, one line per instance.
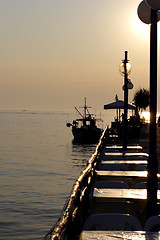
(86, 135)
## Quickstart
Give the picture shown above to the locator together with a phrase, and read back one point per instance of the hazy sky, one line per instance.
(53, 53)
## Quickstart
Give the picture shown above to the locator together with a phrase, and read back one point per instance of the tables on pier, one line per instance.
(130, 177)
(137, 162)
(120, 147)
(114, 158)
(119, 193)
(137, 154)
(130, 164)
(120, 235)
(124, 156)
(120, 200)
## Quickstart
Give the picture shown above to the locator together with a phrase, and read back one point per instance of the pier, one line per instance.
(110, 195)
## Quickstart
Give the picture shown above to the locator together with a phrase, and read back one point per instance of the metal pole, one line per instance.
(152, 162)
(125, 103)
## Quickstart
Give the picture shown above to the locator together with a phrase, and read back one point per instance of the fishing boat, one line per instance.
(84, 129)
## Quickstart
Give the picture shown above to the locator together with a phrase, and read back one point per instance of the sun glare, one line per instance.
(146, 116)
(141, 28)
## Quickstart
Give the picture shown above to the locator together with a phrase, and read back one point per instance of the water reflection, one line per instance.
(81, 153)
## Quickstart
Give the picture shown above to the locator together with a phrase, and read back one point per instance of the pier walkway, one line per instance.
(109, 199)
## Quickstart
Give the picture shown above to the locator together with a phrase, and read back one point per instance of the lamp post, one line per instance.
(125, 70)
(147, 12)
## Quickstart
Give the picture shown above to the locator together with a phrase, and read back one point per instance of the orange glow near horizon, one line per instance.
(146, 115)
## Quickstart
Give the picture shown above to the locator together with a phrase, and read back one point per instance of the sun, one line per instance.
(141, 29)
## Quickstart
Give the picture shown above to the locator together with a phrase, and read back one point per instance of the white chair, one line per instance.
(153, 224)
(143, 185)
(112, 221)
(115, 167)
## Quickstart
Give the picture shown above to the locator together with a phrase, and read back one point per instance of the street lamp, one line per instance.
(122, 67)
(144, 12)
(147, 12)
(125, 70)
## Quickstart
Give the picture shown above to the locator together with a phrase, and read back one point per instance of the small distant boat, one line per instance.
(84, 129)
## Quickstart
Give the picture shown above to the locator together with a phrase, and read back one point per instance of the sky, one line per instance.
(54, 53)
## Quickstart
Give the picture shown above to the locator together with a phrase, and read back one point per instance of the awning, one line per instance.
(118, 105)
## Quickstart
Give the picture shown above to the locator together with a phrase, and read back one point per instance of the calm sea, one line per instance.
(39, 164)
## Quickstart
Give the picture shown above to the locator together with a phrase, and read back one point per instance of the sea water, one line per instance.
(39, 163)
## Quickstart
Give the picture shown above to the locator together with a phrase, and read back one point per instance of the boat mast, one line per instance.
(84, 117)
(85, 107)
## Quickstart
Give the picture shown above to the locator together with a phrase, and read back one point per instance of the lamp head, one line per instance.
(144, 10)
(154, 4)
(122, 68)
